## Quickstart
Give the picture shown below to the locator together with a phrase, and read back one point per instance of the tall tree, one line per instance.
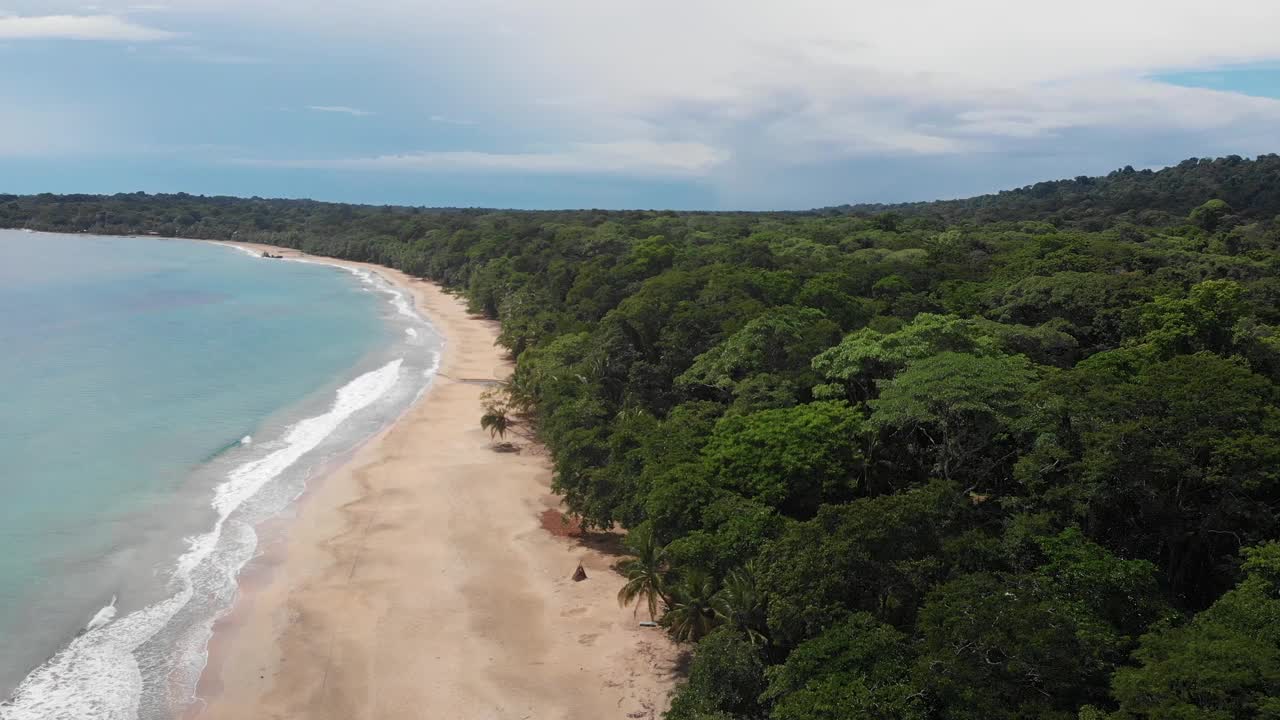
(691, 613)
(645, 572)
(1224, 665)
(739, 604)
(965, 411)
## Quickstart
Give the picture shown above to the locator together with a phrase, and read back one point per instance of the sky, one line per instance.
(679, 104)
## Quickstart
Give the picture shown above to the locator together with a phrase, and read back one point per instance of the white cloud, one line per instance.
(340, 109)
(637, 157)
(77, 27)
(813, 77)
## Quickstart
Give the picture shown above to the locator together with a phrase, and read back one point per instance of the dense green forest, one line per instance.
(1009, 457)
(1144, 197)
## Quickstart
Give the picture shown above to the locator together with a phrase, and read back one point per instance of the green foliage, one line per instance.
(838, 698)
(726, 677)
(792, 459)
(870, 355)
(1122, 593)
(1209, 215)
(964, 410)
(858, 668)
(934, 460)
(996, 646)
(776, 342)
(832, 294)
(1141, 197)
(1090, 306)
(1224, 665)
(733, 529)
(740, 605)
(691, 612)
(878, 555)
(645, 572)
(1204, 320)
(496, 421)
(1179, 465)
(498, 411)
(1035, 644)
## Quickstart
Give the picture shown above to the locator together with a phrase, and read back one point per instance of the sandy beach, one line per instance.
(418, 580)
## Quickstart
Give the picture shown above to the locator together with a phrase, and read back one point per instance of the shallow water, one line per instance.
(157, 399)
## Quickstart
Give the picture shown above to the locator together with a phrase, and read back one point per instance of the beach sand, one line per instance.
(418, 580)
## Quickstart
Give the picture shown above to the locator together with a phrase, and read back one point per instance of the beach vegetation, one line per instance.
(726, 679)
(497, 421)
(691, 609)
(645, 572)
(499, 411)
(740, 605)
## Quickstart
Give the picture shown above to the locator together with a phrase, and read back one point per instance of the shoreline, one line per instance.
(123, 627)
(417, 580)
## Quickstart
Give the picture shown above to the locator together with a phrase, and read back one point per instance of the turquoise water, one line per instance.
(157, 399)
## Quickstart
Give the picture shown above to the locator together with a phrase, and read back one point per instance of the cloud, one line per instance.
(77, 27)
(341, 109)
(761, 99)
(636, 157)
(811, 77)
(811, 81)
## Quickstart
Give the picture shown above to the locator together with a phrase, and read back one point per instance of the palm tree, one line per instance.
(691, 615)
(496, 421)
(740, 604)
(644, 572)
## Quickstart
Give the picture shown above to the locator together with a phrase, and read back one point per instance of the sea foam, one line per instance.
(98, 675)
(242, 249)
(399, 298)
(103, 616)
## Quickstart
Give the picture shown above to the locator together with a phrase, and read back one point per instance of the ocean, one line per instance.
(158, 400)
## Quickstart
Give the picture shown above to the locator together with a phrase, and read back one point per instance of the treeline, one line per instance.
(1142, 197)
(909, 465)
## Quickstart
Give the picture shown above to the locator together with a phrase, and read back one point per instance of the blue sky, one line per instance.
(717, 104)
(1256, 80)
